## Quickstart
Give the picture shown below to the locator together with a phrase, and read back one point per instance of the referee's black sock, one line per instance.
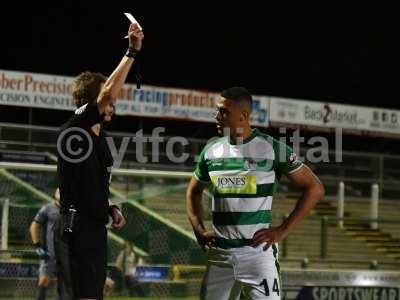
(41, 294)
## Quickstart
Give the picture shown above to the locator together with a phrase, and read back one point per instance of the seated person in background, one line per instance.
(126, 263)
(108, 287)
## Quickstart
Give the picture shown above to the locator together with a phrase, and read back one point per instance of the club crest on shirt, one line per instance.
(250, 164)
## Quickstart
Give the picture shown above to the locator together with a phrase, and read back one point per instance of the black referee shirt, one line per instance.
(84, 166)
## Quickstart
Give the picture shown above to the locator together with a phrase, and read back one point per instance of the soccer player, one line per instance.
(243, 169)
(43, 239)
(84, 171)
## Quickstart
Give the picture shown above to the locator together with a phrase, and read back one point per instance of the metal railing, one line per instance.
(358, 170)
(320, 248)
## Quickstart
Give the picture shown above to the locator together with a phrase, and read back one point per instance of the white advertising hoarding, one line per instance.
(324, 115)
(54, 92)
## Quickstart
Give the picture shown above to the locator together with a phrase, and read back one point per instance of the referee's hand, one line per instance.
(135, 35)
(118, 219)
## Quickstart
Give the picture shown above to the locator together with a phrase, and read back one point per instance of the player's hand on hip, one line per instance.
(269, 236)
(117, 217)
(206, 239)
(135, 36)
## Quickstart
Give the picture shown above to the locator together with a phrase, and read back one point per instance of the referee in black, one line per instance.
(84, 170)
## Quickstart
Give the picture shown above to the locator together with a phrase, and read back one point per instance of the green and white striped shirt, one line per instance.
(244, 179)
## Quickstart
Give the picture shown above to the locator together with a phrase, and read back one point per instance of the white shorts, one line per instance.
(246, 272)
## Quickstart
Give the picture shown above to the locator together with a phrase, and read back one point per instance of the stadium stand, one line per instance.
(155, 207)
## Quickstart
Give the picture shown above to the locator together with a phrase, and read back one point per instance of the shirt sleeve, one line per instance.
(86, 116)
(286, 161)
(41, 216)
(201, 171)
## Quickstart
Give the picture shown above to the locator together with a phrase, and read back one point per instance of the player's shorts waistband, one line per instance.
(232, 243)
(241, 245)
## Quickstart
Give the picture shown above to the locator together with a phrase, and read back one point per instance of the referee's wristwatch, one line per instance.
(40, 251)
(132, 52)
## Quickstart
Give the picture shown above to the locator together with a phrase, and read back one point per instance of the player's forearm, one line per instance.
(195, 211)
(115, 82)
(118, 77)
(304, 205)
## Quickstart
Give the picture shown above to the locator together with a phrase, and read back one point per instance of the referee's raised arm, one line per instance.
(114, 83)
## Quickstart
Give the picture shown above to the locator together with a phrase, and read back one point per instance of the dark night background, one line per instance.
(317, 53)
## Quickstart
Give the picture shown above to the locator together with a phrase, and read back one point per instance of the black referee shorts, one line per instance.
(81, 260)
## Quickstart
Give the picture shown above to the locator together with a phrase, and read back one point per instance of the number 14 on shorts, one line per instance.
(275, 287)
